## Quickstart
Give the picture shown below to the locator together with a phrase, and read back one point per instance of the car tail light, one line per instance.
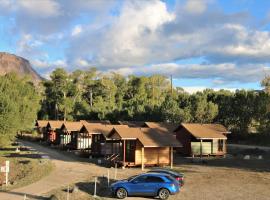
(179, 178)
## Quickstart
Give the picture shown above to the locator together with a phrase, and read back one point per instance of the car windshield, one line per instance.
(131, 178)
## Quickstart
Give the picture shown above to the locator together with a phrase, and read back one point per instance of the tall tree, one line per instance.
(19, 103)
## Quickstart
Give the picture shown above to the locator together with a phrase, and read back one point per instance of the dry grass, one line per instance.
(26, 167)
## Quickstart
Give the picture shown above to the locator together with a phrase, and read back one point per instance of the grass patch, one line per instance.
(26, 167)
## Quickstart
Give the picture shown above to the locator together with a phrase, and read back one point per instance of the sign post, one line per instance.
(5, 169)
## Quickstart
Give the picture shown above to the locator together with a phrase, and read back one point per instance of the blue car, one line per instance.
(178, 176)
(148, 184)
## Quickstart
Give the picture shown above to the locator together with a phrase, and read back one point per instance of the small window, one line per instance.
(170, 178)
(154, 179)
(140, 179)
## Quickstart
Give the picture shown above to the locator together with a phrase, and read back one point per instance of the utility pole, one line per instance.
(91, 97)
(171, 85)
(65, 109)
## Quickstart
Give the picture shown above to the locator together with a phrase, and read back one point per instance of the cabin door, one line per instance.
(130, 150)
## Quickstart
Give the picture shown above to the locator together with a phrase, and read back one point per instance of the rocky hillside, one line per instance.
(19, 65)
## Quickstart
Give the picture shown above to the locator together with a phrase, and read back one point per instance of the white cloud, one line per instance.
(196, 6)
(76, 30)
(43, 64)
(28, 45)
(194, 89)
(130, 37)
(39, 9)
(220, 74)
(139, 34)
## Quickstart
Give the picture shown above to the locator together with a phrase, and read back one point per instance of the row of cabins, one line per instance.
(136, 143)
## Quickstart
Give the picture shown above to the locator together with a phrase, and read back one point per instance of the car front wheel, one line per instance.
(163, 194)
(121, 193)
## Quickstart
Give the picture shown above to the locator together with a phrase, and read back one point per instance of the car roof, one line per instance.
(165, 171)
(153, 174)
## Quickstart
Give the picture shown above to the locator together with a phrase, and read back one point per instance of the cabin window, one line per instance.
(220, 145)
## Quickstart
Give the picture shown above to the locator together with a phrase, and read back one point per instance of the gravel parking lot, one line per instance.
(215, 178)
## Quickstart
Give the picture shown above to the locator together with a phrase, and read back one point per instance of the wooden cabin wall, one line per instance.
(184, 137)
(152, 155)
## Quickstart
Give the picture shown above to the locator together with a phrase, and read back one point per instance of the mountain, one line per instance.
(19, 65)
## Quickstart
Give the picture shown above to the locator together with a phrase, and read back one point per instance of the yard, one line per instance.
(215, 178)
(223, 179)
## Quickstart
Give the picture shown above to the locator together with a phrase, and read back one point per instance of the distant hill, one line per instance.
(19, 65)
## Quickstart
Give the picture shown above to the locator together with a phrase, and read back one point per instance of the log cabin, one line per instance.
(41, 128)
(98, 143)
(53, 128)
(202, 139)
(69, 135)
(143, 146)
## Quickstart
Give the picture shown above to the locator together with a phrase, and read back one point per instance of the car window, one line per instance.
(154, 179)
(139, 179)
(170, 178)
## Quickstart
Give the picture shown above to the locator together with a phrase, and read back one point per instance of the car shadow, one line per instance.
(102, 189)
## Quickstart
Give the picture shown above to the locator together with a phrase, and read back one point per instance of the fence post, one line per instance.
(108, 178)
(95, 188)
(7, 171)
(68, 193)
(115, 171)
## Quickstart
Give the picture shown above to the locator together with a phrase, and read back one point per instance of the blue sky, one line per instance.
(202, 43)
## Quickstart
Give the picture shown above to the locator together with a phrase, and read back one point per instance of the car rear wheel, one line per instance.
(163, 194)
(121, 193)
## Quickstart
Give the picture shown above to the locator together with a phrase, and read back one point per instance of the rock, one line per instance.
(12, 63)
